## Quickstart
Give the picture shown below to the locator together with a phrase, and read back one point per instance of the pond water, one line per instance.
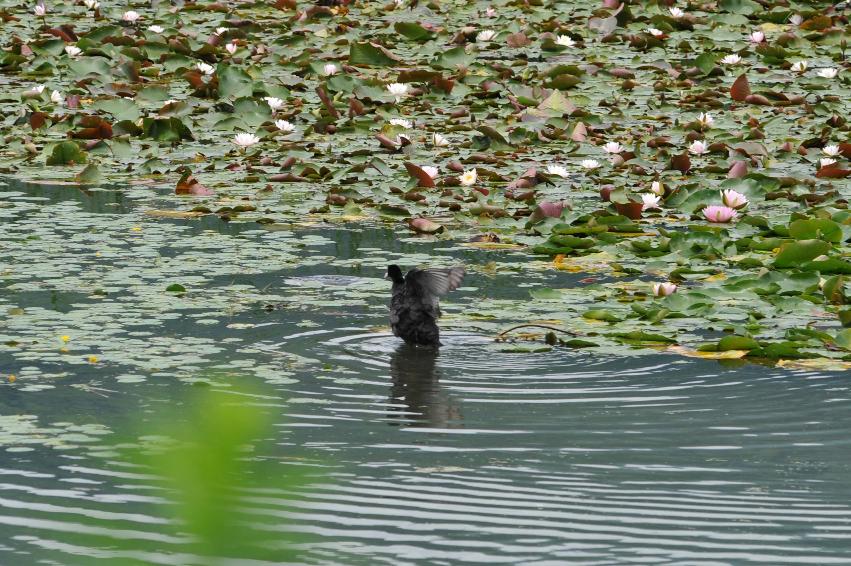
(473, 455)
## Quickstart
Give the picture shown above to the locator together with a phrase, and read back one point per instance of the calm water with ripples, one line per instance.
(470, 455)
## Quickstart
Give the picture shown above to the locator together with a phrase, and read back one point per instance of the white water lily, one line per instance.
(731, 59)
(649, 200)
(557, 170)
(72, 50)
(796, 19)
(485, 35)
(733, 199)
(169, 101)
(430, 170)
(439, 140)
(828, 72)
(756, 37)
(245, 140)
(830, 150)
(231, 48)
(697, 147)
(56, 97)
(657, 188)
(274, 103)
(398, 90)
(40, 10)
(91, 4)
(590, 164)
(826, 161)
(613, 147)
(799, 66)
(284, 125)
(330, 69)
(468, 178)
(565, 41)
(401, 122)
(705, 119)
(37, 89)
(221, 31)
(205, 68)
(131, 16)
(655, 32)
(156, 29)
(676, 12)
(664, 289)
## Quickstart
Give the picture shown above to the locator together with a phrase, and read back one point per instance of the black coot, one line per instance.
(414, 308)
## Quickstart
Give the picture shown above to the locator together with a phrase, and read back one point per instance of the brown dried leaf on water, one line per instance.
(832, 171)
(415, 171)
(741, 89)
(580, 132)
(681, 163)
(189, 185)
(737, 170)
(518, 39)
(425, 226)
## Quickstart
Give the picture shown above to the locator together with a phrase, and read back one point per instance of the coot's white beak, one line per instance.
(386, 275)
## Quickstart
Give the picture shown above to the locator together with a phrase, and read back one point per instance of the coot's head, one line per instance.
(394, 274)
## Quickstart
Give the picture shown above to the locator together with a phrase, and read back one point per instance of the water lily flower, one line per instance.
(830, 150)
(565, 41)
(40, 10)
(169, 101)
(231, 47)
(92, 4)
(72, 50)
(468, 178)
(676, 12)
(37, 89)
(284, 125)
(799, 66)
(402, 123)
(430, 171)
(485, 35)
(613, 147)
(130, 16)
(490, 11)
(697, 147)
(649, 200)
(733, 199)
(796, 19)
(330, 69)
(558, 170)
(655, 32)
(156, 29)
(756, 37)
(56, 97)
(828, 72)
(274, 103)
(398, 90)
(731, 59)
(221, 31)
(205, 68)
(590, 164)
(245, 140)
(657, 188)
(439, 140)
(717, 213)
(664, 289)
(705, 119)
(826, 161)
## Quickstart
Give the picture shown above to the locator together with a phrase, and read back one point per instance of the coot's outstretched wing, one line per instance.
(436, 282)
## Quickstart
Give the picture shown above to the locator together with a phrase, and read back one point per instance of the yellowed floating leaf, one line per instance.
(492, 246)
(174, 213)
(826, 364)
(717, 277)
(691, 353)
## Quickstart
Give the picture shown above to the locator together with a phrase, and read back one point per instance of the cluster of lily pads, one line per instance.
(697, 152)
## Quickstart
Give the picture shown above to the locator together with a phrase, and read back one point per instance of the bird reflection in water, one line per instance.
(416, 393)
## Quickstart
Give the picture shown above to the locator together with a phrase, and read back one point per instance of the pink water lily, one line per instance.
(733, 199)
(664, 289)
(719, 213)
